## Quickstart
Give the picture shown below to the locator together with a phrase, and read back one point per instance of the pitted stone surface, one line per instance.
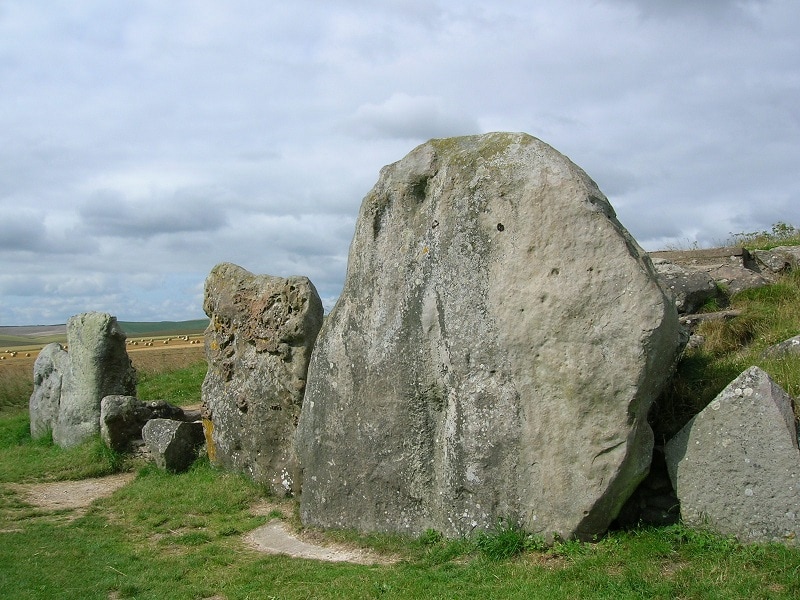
(736, 465)
(258, 345)
(494, 353)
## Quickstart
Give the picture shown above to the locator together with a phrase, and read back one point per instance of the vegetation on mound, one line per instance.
(782, 234)
(768, 316)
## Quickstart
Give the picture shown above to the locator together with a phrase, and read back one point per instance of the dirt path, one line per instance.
(70, 495)
(272, 538)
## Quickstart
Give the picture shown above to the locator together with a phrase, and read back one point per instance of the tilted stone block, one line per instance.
(736, 465)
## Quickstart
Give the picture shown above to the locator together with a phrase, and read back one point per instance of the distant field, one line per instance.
(162, 356)
(163, 328)
(37, 336)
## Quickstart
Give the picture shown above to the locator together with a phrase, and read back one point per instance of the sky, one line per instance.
(142, 142)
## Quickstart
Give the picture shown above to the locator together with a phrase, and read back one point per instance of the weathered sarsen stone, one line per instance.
(98, 366)
(494, 353)
(123, 417)
(48, 372)
(173, 445)
(258, 345)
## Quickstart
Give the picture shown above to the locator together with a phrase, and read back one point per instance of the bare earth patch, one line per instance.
(70, 495)
(275, 538)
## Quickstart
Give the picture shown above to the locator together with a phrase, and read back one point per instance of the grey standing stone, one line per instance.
(48, 371)
(258, 346)
(736, 465)
(494, 353)
(173, 445)
(98, 366)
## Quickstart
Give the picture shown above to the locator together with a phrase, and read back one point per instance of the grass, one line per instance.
(25, 459)
(782, 234)
(180, 387)
(167, 536)
(769, 315)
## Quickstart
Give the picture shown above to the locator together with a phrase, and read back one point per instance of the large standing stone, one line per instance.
(736, 465)
(494, 353)
(48, 372)
(258, 345)
(97, 366)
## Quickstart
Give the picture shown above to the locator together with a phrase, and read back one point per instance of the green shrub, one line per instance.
(507, 540)
(781, 234)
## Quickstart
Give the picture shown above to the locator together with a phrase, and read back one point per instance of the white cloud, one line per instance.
(407, 117)
(108, 213)
(145, 141)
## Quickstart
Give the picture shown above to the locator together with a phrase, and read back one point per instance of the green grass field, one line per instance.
(166, 536)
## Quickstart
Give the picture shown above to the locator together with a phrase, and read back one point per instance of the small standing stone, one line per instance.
(174, 445)
(98, 366)
(48, 373)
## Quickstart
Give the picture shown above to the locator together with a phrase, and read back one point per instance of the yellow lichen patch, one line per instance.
(208, 430)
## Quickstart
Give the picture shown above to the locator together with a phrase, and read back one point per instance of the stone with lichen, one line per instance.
(258, 345)
(494, 353)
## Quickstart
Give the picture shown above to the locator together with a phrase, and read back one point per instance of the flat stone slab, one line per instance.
(275, 538)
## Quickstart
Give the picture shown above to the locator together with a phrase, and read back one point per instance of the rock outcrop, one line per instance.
(736, 465)
(96, 366)
(123, 417)
(690, 288)
(695, 277)
(258, 345)
(173, 445)
(494, 353)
